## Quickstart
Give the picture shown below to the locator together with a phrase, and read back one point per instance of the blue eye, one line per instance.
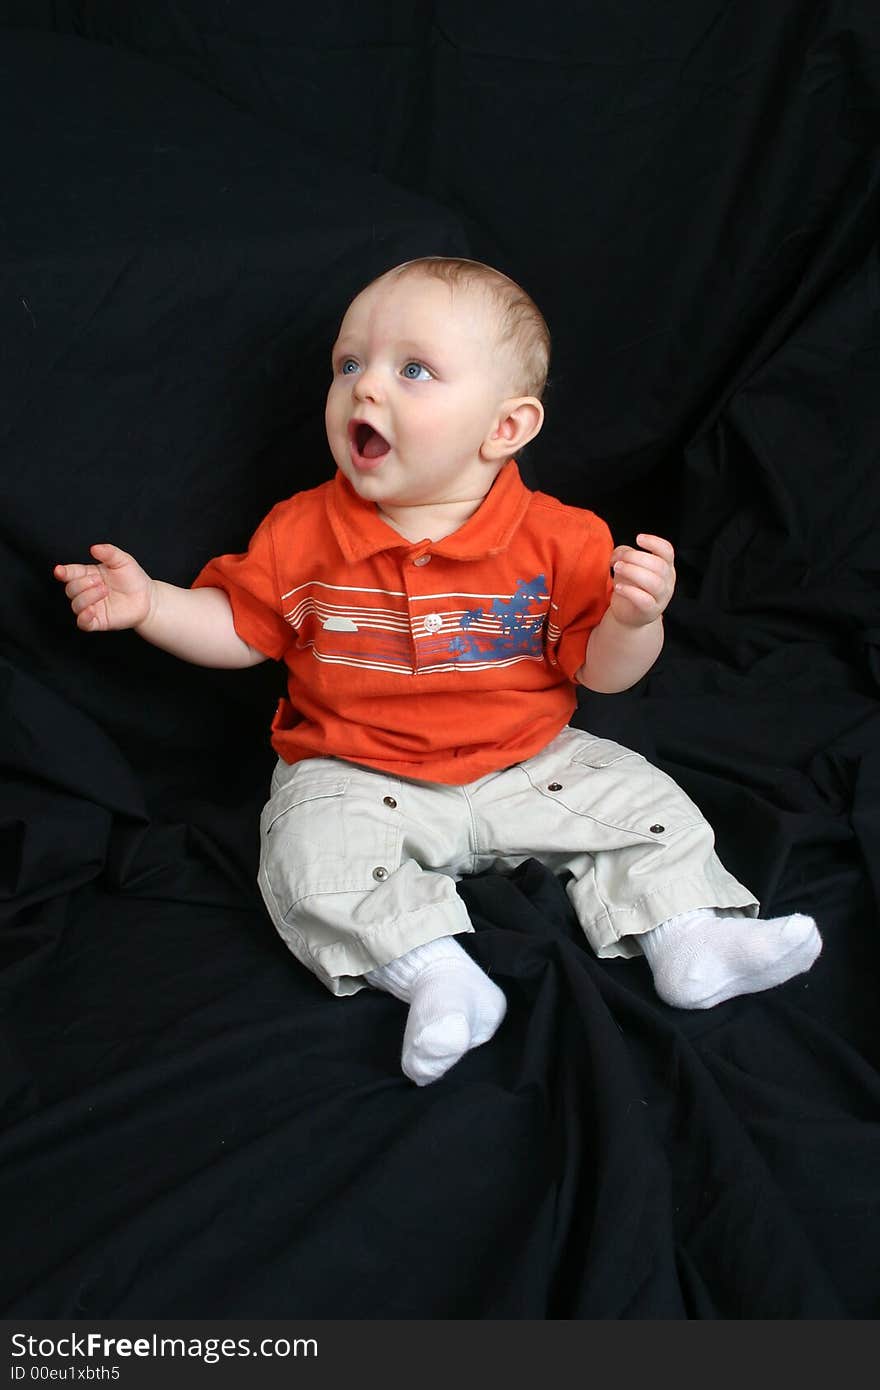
(414, 376)
(345, 364)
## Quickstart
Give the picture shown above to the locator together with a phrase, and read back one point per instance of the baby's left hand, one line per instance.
(643, 580)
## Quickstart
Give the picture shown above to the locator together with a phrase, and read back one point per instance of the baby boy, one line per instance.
(435, 617)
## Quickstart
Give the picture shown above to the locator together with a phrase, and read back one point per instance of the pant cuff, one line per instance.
(615, 931)
(342, 965)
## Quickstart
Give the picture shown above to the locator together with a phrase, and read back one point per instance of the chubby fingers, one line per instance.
(656, 545)
(645, 575)
(654, 551)
(79, 579)
(69, 572)
(85, 588)
(85, 598)
(104, 553)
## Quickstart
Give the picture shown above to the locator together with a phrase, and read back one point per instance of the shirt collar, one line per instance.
(361, 531)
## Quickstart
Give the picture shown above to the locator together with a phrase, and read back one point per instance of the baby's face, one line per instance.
(418, 377)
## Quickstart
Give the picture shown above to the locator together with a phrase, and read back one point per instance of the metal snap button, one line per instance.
(657, 829)
(389, 801)
(422, 560)
(555, 787)
(380, 873)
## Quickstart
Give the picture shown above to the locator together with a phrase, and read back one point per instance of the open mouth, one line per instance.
(367, 444)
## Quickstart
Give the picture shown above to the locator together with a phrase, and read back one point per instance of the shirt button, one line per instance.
(380, 873)
(422, 560)
(433, 622)
(554, 787)
(389, 801)
(657, 829)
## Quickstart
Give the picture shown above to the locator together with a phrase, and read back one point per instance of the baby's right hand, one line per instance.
(115, 593)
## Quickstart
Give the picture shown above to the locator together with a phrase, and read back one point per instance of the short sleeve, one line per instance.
(585, 596)
(250, 582)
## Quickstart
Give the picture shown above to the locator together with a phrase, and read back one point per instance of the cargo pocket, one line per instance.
(622, 789)
(319, 834)
(612, 786)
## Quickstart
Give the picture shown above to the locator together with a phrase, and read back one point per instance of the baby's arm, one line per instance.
(629, 639)
(194, 624)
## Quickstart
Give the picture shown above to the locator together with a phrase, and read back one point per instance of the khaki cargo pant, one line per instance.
(359, 866)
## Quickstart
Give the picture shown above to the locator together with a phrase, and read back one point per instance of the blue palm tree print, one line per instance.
(520, 619)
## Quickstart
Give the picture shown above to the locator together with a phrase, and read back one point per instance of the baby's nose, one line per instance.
(367, 385)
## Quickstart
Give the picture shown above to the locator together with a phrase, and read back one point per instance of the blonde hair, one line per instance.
(521, 325)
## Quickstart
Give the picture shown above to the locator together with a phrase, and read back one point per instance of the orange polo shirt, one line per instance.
(440, 660)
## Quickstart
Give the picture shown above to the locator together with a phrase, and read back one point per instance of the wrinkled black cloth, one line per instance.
(192, 1125)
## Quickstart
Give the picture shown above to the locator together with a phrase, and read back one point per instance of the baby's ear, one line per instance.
(518, 421)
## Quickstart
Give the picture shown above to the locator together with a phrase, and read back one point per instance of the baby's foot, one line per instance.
(699, 959)
(453, 1006)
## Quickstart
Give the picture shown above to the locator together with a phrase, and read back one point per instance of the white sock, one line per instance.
(453, 1006)
(699, 959)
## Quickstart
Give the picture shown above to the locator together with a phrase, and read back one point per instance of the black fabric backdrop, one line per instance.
(192, 1125)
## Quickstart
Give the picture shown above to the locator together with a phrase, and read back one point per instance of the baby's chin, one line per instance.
(376, 487)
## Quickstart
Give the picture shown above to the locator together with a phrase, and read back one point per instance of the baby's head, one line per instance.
(438, 373)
